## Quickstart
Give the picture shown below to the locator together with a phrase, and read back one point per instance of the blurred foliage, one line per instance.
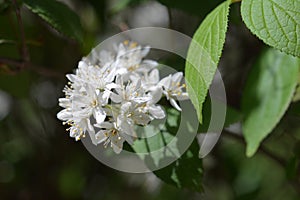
(57, 15)
(267, 95)
(38, 159)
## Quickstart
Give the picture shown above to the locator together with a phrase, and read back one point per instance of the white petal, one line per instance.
(145, 51)
(183, 96)
(64, 102)
(157, 112)
(166, 82)
(116, 98)
(100, 136)
(174, 104)
(111, 86)
(126, 107)
(64, 115)
(89, 126)
(156, 95)
(71, 77)
(150, 62)
(103, 98)
(106, 125)
(82, 64)
(176, 78)
(99, 115)
(154, 76)
(117, 146)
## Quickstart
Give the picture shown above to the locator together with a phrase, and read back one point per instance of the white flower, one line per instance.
(131, 92)
(111, 93)
(110, 133)
(172, 88)
(150, 80)
(130, 60)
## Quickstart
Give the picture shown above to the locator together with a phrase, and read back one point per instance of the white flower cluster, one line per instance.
(112, 92)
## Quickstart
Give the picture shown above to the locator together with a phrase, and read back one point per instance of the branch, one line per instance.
(30, 66)
(24, 50)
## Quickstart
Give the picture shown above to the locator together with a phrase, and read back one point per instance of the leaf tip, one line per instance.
(251, 150)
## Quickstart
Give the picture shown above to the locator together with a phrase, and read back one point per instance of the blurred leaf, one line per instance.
(204, 54)
(58, 15)
(4, 6)
(297, 150)
(196, 7)
(292, 167)
(71, 181)
(185, 172)
(267, 95)
(119, 5)
(232, 115)
(276, 22)
(17, 85)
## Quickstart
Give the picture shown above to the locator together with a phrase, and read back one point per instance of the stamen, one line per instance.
(126, 42)
(133, 45)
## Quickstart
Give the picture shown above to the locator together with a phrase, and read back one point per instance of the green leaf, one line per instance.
(267, 95)
(57, 15)
(276, 22)
(185, 172)
(204, 54)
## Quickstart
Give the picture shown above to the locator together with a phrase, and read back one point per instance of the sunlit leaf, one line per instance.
(204, 54)
(268, 92)
(276, 22)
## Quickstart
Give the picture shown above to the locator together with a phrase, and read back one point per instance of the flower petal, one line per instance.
(157, 112)
(174, 104)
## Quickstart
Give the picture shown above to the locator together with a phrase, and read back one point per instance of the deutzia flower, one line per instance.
(111, 93)
(172, 88)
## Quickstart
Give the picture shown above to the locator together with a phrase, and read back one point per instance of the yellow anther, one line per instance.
(133, 44)
(94, 103)
(126, 42)
(114, 132)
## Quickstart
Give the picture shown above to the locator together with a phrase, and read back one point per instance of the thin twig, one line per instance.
(12, 62)
(30, 66)
(24, 50)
